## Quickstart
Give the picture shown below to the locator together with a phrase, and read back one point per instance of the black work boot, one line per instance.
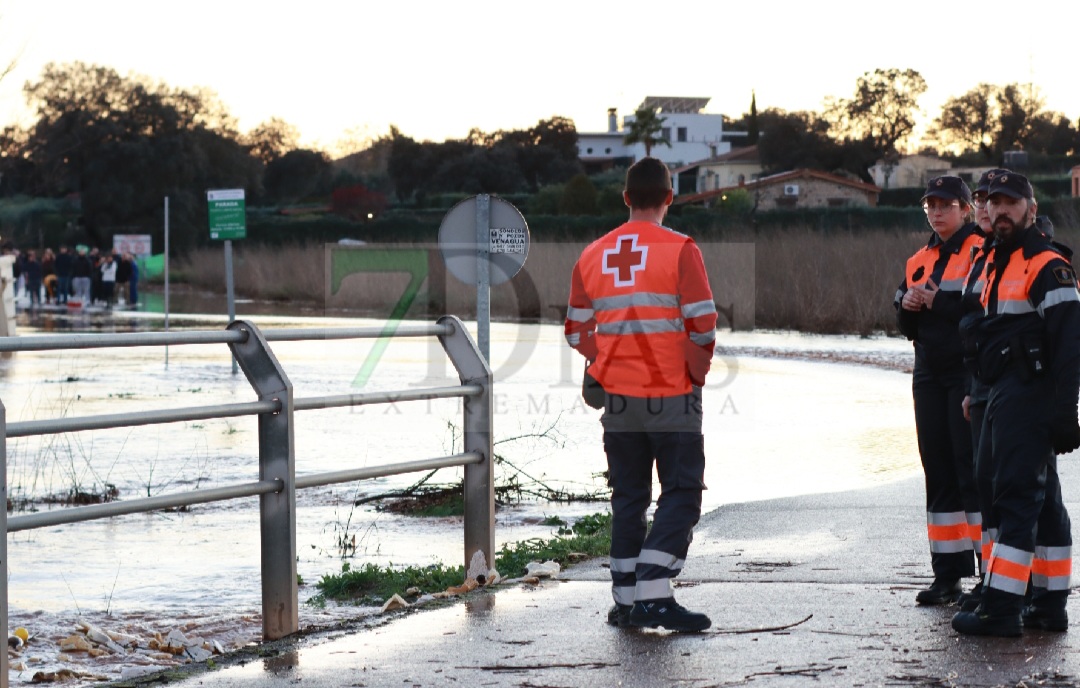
(619, 615)
(669, 614)
(1045, 618)
(970, 600)
(981, 622)
(941, 591)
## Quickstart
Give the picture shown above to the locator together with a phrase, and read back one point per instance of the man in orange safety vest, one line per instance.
(641, 311)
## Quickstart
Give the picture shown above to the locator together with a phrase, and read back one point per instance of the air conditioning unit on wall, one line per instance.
(791, 189)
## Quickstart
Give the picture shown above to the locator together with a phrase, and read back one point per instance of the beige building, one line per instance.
(908, 172)
(803, 188)
(739, 166)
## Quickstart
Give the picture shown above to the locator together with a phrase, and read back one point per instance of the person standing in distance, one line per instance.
(1029, 354)
(928, 310)
(642, 311)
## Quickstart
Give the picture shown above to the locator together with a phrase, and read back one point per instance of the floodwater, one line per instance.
(786, 414)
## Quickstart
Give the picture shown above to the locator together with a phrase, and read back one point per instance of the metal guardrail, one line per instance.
(278, 482)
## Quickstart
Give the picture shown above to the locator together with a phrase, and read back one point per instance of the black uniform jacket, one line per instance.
(1031, 316)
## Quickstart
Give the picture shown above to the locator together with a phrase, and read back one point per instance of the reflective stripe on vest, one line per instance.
(579, 314)
(1009, 569)
(633, 281)
(1014, 286)
(641, 326)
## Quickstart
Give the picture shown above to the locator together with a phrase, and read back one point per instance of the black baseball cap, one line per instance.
(1011, 184)
(988, 176)
(950, 188)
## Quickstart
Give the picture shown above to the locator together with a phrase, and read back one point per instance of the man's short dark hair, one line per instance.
(648, 183)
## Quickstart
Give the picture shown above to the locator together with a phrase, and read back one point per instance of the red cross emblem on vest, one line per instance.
(625, 260)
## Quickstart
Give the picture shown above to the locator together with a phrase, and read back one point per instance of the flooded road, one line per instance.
(785, 415)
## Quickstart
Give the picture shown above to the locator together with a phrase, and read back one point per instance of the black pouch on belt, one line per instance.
(1034, 358)
(591, 390)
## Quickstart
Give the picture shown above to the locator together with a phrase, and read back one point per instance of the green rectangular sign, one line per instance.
(225, 209)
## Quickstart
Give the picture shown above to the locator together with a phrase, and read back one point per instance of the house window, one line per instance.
(589, 151)
(681, 133)
(787, 201)
(838, 202)
(607, 151)
(665, 133)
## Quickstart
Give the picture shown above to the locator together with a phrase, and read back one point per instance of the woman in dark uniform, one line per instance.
(928, 310)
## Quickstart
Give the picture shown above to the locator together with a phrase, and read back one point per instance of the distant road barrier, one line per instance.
(277, 484)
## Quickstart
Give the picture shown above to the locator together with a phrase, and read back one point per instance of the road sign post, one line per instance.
(228, 220)
(484, 240)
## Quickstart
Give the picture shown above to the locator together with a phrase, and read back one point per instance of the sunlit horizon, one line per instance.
(343, 75)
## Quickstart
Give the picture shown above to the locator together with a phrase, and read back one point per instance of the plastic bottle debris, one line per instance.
(544, 570)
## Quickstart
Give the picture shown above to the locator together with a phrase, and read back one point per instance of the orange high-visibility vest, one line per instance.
(921, 265)
(641, 293)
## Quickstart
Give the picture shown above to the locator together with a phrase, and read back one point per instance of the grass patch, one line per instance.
(372, 584)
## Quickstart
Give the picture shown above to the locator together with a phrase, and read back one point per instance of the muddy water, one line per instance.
(783, 418)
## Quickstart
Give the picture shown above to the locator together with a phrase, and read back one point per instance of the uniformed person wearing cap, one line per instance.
(974, 404)
(928, 310)
(1028, 344)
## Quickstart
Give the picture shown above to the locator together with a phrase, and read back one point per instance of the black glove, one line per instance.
(1065, 435)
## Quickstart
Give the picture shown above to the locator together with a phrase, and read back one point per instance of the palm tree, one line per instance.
(645, 129)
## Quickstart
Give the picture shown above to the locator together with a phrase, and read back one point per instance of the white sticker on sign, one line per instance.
(508, 240)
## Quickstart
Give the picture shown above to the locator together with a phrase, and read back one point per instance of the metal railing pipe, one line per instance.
(479, 481)
(365, 398)
(45, 342)
(93, 512)
(348, 476)
(122, 420)
(277, 484)
(277, 459)
(297, 334)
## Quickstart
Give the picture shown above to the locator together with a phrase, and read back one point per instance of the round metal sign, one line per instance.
(508, 240)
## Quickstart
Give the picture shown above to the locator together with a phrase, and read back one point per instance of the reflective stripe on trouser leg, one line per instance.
(1009, 569)
(974, 521)
(989, 537)
(949, 533)
(944, 437)
(680, 466)
(1018, 427)
(1052, 568)
(630, 479)
(984, 483)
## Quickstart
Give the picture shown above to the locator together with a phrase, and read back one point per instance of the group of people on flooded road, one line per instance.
(992, 306)
(82, 276)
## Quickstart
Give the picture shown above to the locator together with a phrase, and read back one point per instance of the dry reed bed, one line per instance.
(799, 279)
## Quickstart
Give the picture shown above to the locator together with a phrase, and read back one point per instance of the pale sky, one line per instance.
(437, 69)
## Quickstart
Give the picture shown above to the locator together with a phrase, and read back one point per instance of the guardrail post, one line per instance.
(277, 460)
(3, 548)
(479, 477)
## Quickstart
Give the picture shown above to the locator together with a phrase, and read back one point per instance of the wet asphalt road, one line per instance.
(813, 590)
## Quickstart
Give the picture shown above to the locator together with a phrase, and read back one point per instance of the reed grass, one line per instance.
(800, 278)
